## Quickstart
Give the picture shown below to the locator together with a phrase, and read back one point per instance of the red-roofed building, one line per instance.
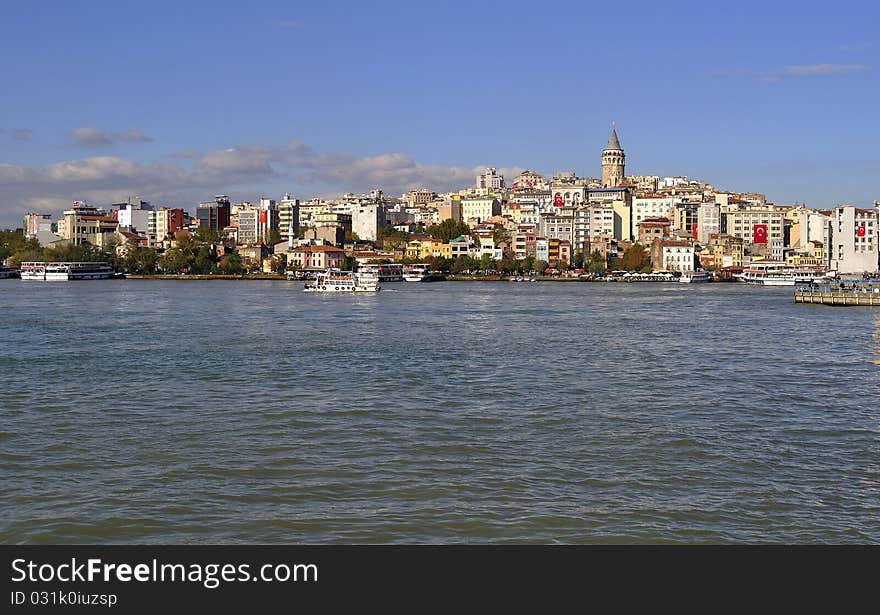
(317, 257)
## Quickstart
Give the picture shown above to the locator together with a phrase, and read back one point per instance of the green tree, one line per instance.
(279, 264)
(635, 258)
(231, 264)
(541, 266)
(487, 262)
(349, 264)
(392, 239)
(204, 260)
(500, 235)
(597, 263)
(351, 237)
(464, 263)
(448, 230)
(175, 260)
(203, 233)
(147, 260)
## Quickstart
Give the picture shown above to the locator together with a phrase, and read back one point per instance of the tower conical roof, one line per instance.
(613, 141)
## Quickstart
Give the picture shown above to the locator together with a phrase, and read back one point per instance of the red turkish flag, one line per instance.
(694, 231)
(263, 216)
(558, 200)
(759, 233)
(860, 231)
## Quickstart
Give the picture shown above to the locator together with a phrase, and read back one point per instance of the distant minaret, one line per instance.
(613, 161)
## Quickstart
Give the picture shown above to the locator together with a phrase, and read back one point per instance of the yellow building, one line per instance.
(421, 247)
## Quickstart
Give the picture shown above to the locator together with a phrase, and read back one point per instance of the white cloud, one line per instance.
(807, 70)
(133, 136)
(22, 134)
(105, 179)
(88, 136)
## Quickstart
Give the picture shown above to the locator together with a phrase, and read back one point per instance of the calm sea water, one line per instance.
(215, 412)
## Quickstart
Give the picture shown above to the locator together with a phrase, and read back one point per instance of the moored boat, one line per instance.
(7, 272)
(772, 273)
(336, 281)
(62, 272)
(421, 272)
(694, 277)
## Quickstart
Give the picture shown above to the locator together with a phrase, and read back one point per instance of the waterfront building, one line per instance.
(853, 240)
(524, 244)
(542, 250)
(317, 257)
(809, 225)
(422, 247)
(463, 245)
(726, 250)
(214, 216)
(672, 255)
(613, 161)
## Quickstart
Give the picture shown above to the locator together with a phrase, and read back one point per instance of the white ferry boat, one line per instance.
(780, 274)
(390, 272)
(694, 277)
(336, 281)
(421, 272)
(7, 272)
(61, 272)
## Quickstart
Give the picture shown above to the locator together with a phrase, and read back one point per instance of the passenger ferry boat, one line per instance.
(421, 272)
(7, 272)
(694, 277)
(336, 281)
(61, 272)
(390, 272)
(780, 274)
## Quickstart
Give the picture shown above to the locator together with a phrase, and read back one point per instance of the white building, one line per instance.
(490, 180)
(479, 208)
(288, 219)
(853, 240)
(708, 221)
(367, 219)
(675, 256)
(139, 216)
(644, 207)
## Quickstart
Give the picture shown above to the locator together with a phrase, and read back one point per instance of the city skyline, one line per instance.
(335, 100)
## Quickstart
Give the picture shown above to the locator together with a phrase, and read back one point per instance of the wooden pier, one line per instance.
(866, 296)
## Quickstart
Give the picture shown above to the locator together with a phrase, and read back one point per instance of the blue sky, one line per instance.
(177, 101)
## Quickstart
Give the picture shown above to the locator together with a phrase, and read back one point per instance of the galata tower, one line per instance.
(613, 161)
